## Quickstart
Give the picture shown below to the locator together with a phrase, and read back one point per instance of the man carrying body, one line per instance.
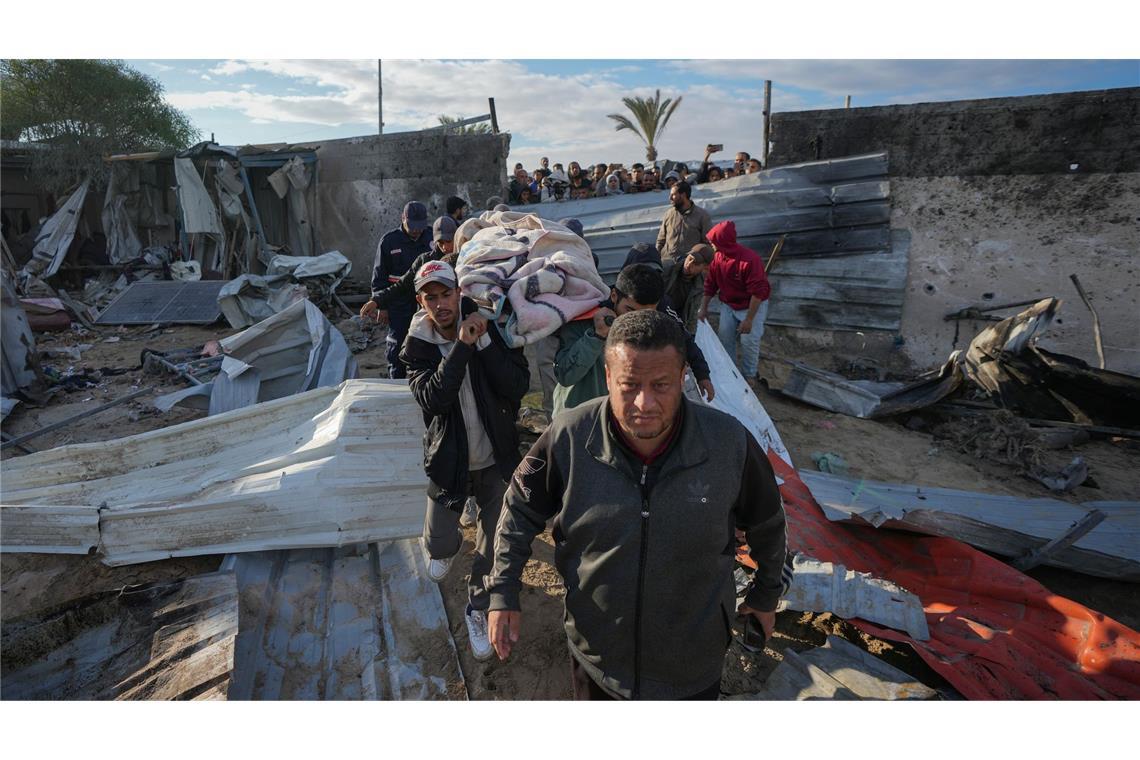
(684, 283)
(737, 276)
(401, 294)
(646, 490)
(580, 366)
(469, 385)
(394, 256)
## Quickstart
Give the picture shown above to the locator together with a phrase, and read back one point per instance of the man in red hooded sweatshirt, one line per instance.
(737, 276)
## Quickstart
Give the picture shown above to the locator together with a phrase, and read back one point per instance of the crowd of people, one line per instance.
(549, 183)
(646, 516)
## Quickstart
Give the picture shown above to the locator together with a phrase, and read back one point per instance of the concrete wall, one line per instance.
(1039, 134)
(364, 182)
(995, 215)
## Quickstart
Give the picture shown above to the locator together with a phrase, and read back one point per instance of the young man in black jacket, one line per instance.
(469, 385)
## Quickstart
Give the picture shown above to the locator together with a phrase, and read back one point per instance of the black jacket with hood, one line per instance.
(500, 378)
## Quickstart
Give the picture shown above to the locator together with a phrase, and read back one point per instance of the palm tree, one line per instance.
(447, 122)
(651, 115)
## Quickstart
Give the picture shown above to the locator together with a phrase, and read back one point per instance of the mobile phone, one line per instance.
(754, 638)
(714, 148)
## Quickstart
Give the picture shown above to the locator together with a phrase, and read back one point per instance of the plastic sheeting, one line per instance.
(199, 215)
(291, 182)
(251, 298)
(123, 242)
(55, 238)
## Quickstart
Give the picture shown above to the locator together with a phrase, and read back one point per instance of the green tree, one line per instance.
(651, 115)
(86, 110)
(448, 122)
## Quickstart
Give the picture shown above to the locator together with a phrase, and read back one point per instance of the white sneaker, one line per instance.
(437, 568)
(470, 513)
(477, 634)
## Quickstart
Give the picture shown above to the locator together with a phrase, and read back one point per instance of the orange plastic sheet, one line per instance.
(995, 633)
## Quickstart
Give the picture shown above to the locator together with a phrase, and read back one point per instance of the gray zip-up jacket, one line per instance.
(646, 551)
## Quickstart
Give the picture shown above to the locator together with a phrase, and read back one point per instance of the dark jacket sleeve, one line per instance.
(703, 172)
(402, 289)
(534, 496)
(507, 368)
(435, 384)
(760, 514)
(380, 269)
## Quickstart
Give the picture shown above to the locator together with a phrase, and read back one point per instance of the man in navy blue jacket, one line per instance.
(394, 256)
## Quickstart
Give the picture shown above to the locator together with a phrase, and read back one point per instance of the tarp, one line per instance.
(995, 633)
(199, 215)
(291, 182)
(123, 242)
(54, 238)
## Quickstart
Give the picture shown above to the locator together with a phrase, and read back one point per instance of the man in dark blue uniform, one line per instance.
(394, 256)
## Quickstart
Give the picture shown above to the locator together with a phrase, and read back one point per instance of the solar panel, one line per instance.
(144, 303)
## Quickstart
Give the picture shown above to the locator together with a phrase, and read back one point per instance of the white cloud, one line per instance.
(159, 66)
(207, 78)
(561, 116)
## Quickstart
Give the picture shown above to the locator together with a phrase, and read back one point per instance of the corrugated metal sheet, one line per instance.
(357, 622)
(157, 641)
(331, 467)
(1006, 525)
(840, 268)
(827, 587)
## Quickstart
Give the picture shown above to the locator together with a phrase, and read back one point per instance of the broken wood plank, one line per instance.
(82, 415)
(1096, 319)
(1063, 541)
(163, 641)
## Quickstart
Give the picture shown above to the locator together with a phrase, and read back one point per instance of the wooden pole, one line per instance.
(1096, 319)
(847, 102)
(775, 252)
(379, 99)
(494, 117)
(767, 118)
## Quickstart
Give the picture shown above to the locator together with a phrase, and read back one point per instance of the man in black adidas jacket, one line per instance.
(646, 489)
(469, 385)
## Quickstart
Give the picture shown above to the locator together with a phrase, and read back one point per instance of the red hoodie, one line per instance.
(736, 273)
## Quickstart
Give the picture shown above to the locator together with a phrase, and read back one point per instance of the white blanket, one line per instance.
(542, 269)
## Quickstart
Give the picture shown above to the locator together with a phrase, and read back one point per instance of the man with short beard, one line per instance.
(684, 225)
(469, 385)
(646, 489)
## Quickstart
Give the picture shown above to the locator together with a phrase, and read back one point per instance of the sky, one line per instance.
(558, 108)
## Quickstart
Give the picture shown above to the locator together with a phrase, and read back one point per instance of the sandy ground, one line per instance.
(538, 669)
